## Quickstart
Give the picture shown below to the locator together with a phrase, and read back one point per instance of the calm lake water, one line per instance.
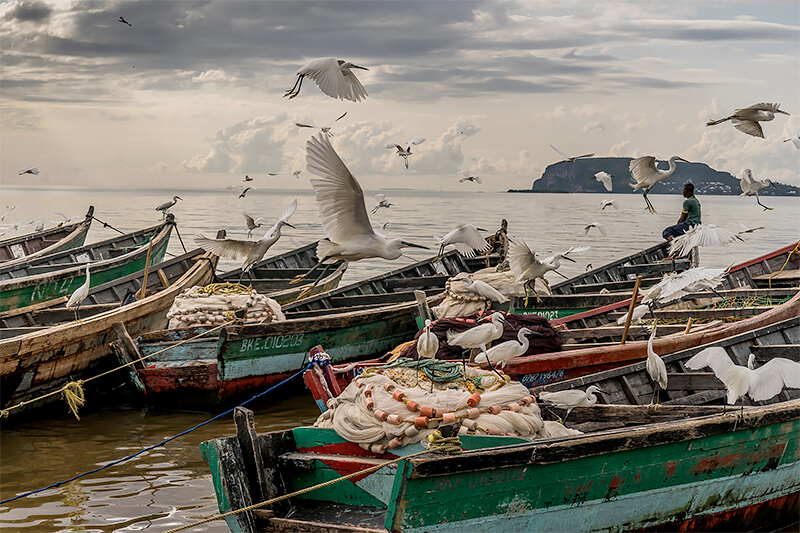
(171, 486)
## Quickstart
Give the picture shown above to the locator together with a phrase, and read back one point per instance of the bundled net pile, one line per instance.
(403, 402)
(219, 302)
(459, 301)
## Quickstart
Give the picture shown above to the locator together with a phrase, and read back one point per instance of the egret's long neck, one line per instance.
(523, 340)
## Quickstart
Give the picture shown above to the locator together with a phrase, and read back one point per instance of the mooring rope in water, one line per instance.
(436, 444)
(73, 391)
(162, 443)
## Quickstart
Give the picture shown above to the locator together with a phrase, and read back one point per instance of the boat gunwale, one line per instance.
(80, 229)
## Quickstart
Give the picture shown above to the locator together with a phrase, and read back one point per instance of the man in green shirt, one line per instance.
(690, 215)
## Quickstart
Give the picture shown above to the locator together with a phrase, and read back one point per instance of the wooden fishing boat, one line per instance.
(43, 361)
(23, 248)
(671, 468)
(359, 320)
(60, 274)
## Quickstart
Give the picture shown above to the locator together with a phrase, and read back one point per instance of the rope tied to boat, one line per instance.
(74, 396)
(223, 288)
(789, 256)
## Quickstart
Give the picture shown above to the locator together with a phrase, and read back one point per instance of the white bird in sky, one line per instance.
(428, 342)
(253, 223)
(605, 179)
(383, 201)
(65, 217)
(8, 210)
(570, 399)
(569, 159)
(333, 76)
(340, 201)
(527, 268)
(745, 229)
(760, 384)
(465, 239)
(122, 20)
(466, 176)
(478, 336)
(647, 174)
(504, 351)
(295, 173)
(638, 314)
(677, 285)
(80, 294)
(751, 186)
(701, 235)
(605, 203)
(405, 150)
(795, 140)
(29, 170)
(324, 129)
(164, 208)
(656, 368)
(481, 288)
(747, 119)
(252, 251)
(247, 178)
(600, 227)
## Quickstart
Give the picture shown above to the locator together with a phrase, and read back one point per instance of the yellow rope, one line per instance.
(224, 288)
(441, 445)
(788, 257)
(73, 390)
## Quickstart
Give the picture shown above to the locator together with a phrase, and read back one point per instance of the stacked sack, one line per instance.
(219, 302)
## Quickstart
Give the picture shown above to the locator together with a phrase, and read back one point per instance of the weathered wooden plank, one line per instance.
(766, 353)
(695, 381)
(254, 466)
(656, 268)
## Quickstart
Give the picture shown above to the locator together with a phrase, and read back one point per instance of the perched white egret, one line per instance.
(760, 384)
(647, 174)
(122, 20)
(751, 186)
(677, 285)
(333, 76)
(701, 235)
(252, 251)
(478, 336)
(29, 170)
(466, 176)
(504, 351)
(80, 294)
(8, 210)
(404, 150)
(295, 173)
(638, 314)
(527, 268)
(164, 208)
(465, 239)
(383, 201)
(605, 179)
(600, 227)
(340, 201)
(656, 368)
(253, 223)
(747, 119)
(570, 399)
(568, 159)
(745, 229)
(795, 140)
(605, 203)
(481, 288)
(427, 343)
(326, 129)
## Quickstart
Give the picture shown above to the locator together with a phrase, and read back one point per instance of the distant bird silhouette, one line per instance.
(466, 176)
(404, 151)
(383, 201)
(795, 140)
(122, 20)
(247, 178)
(326, 129)
(29, 170)
(569, 159)
(8, 210)
(747, 119)
(295, 173)
(244, 192)
(600, 227)
(606, 203)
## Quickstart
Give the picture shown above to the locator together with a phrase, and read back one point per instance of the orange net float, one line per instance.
(412, 406)
(474, 399)
(422, 421)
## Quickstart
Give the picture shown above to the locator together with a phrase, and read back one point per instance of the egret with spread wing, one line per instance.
(466, 176)
(405, 151)
(333, 76)
(751, 186)
(600, 227)
(701, 235)
(253, 224)
(605, 179)
(29, 170)
(465, 239)
(295, 173)
(527, 268)
(326, 129)
(647, 175)
(383, 201)
(568, 159)
(747, 119)
(606, 203)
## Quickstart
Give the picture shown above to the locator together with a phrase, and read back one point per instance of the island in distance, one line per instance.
(565, 177)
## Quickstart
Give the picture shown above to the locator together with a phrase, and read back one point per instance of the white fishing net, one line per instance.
(217, 303)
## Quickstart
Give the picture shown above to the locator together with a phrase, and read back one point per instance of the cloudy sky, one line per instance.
(190, 95)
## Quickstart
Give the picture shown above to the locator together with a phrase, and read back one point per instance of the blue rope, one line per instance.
(163, 442)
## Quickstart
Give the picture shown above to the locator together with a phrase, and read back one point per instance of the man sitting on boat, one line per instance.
(690, 215)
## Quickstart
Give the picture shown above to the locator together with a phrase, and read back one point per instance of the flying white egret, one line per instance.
(478, 336)
(600, 227)
(253, 223)
(527, 268)
(701, 235)
(122, 20)
(340, 201)
(795, 140)
(164, 208)
(8, 210)
(80, 294)
(504, 351)
(656, 368)
(383, 201)
(745, 229)
(326, 129)
(677, 285)
(568, 159)
(570, 399)
(638, 314)
(605, 179)
(465, 239)
(751, 186)
(29, 170)
(481, 288)
(466, 176)
(252, 251)
(647, 174)
(295, 173)
(333, 76)
(428, 342)
(760, 384)
(247, 178)
(405, 150)
(605, 203)
(747, 119)
(65, 217)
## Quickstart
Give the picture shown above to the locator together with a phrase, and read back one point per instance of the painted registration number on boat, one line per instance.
(274, 342)
(542, 378)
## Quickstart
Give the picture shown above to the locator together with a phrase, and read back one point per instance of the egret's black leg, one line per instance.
(762, 205)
